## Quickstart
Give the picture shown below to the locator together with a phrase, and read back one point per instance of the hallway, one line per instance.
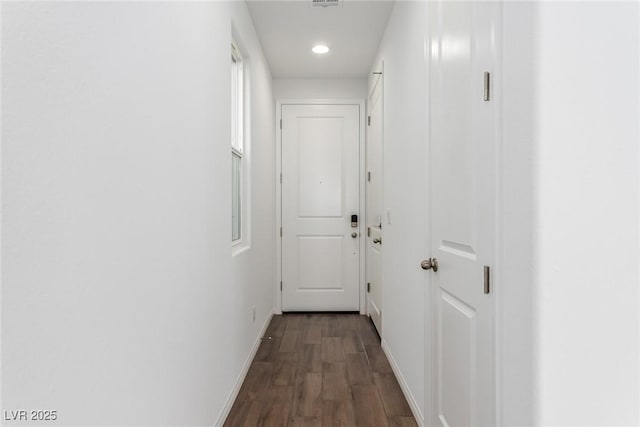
(459, 179)
(320, 370)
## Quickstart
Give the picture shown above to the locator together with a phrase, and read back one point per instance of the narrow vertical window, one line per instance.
(237, 126)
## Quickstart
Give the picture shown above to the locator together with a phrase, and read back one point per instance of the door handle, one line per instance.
(377, 240)
(354, 234)
(430, 264)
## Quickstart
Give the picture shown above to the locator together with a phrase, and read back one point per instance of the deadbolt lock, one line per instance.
(430, 264)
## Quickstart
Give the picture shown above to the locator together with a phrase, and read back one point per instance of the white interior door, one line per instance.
(320, 193)
(462, 189)
(375, 204)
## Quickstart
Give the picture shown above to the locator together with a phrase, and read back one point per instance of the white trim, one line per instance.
(278, 213)
(429, 316)
(240, 144)
(363, 207)
(237, 126)
(278, 202)
(239, 243)
(316, 101)
(639, 228)
(1, 210)
(498, 269)
(413, 404)
(243, 373)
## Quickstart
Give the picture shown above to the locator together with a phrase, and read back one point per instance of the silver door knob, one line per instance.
(377, 240)
(354, 234)
(430, 264)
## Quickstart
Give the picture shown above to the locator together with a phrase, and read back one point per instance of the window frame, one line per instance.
(238, 146)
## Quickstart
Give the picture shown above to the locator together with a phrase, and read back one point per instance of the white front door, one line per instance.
(320, 193)
(375, 204)
(462, 199)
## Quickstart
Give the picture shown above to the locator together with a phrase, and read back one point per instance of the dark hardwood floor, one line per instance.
(320, 370)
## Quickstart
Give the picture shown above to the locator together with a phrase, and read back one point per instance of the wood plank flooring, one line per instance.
(320, 370)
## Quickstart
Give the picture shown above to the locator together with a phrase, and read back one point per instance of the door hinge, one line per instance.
(369, 176)
(280, 123)
(281, 286)
(487, 279)
(368, 231)
(368, 287)
(368, 120)
(280, 177)
(280, 231)
(487, 86)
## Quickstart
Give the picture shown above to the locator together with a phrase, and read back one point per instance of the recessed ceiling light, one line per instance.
(320, 49)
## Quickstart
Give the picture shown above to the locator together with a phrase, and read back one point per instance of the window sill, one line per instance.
(238, 248)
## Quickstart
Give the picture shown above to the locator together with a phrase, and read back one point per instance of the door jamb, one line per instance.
(278, 193)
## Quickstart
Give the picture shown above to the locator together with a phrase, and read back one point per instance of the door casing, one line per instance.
(278, 195)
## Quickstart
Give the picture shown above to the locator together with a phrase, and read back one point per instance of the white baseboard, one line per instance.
(415, 408)
(243, 373)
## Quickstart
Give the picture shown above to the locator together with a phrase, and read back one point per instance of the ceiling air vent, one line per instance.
(325, 3)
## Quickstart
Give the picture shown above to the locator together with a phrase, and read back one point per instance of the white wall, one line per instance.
(570, 213)
(253, 265)
(121, 304)
(320, 88)
(405, 193)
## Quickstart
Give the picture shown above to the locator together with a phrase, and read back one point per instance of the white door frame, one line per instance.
(278, 201)
(377, 80)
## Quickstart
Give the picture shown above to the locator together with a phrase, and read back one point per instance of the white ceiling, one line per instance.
(289, 29)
